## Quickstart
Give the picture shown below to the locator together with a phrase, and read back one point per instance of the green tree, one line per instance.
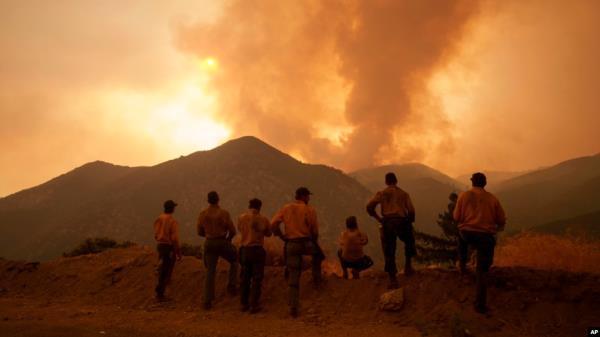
(440, 249)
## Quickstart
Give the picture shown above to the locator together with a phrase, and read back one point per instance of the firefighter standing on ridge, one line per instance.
(215, 224)
(166, 234)
(480, 216)
(253, 227)
(301, 235)
(397, 217)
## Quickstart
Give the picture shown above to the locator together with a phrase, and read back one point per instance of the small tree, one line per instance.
(435, 249)
(446, 219)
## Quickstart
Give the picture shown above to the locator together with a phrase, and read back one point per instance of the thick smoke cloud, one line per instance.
(332, 81)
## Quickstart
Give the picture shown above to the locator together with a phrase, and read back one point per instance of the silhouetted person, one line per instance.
(397, 217)
(215, 224)
(166, 234)
(253, 227)
(351, 254)
(301, 235)
(480, 216)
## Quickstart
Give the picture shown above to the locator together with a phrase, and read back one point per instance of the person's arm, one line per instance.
(266, 225)
(372, 205)
(200, 226)
(364, 239)
(275, 224)
(230, 227)
(410, 209)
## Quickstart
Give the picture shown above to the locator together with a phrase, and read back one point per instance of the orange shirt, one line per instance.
(253, 227)
(478, 210)
(215, 222)
(166, 229)
(300, 221)
(352, 242)
(394, 202)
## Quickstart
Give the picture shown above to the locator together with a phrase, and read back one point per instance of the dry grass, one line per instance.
(546, 251)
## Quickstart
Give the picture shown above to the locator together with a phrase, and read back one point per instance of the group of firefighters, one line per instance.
(478, 213)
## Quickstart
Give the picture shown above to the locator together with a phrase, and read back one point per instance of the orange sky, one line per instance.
(462, 86)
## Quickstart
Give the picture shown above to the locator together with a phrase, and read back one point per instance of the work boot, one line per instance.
(207, 305)
(355, 274)
(481, 308)
(255, 310)
(393, 284)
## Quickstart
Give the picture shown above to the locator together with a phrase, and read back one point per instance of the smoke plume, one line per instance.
(336, 81)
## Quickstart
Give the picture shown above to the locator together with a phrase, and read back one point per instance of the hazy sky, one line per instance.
(460, 86)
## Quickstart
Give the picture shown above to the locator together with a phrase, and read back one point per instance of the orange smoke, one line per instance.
(333, 81)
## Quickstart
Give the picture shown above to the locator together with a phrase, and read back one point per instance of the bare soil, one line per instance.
(111, 294)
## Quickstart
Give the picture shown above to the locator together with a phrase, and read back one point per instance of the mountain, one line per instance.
(101, 199)
(587, 225)
(428, 188)
(563, 191)
(494, 178)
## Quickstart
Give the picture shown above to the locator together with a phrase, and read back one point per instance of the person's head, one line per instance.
(169, 206)
(255, 204)
(479, 180)
(351, 222)
(390, 179)
(213, 198)
(303, 194)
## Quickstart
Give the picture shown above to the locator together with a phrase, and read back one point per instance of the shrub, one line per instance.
(547, 251)
(96, 245)
(191, 250)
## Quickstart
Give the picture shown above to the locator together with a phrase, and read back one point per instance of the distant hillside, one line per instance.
(429, 189)
(494, 178)
(563, 191)
(100, 199)
(587, 225)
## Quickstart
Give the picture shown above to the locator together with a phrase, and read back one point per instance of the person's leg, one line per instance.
(164, 255)
(485, 256)
(294, 252)
(343, 265)
(313, 249)
(229, 253)
(211, 258)
(389, 250)
(463, 252)
(406, 234)
(246, 275)
(258, 269)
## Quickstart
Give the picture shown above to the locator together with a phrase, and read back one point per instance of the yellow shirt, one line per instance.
(215, 222)
(166, 229)
(394, 202)
(253, 227)
(352, 242)
(300, 221)
(478, 210)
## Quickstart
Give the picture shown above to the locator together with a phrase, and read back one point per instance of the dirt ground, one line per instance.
(111, 294)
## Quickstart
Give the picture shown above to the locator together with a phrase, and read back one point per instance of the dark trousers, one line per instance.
(213, 249)
(252, 260)
(397, 228)
(363, 263)
(166, 258)
(484, 244)
(295, 249)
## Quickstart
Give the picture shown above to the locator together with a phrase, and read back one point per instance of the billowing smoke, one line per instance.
(342, 82)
